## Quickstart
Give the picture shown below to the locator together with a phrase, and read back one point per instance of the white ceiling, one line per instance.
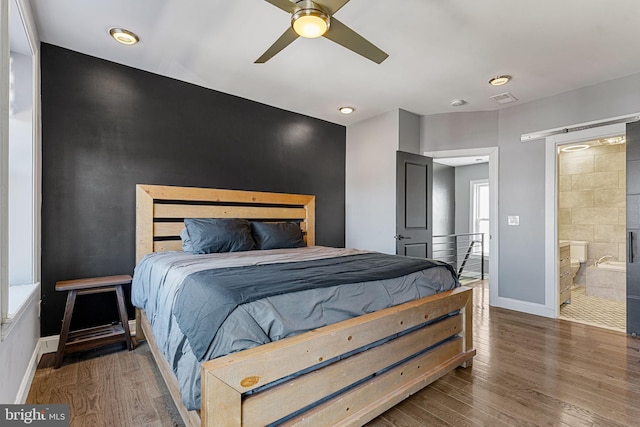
(461, 161)
(439, 50)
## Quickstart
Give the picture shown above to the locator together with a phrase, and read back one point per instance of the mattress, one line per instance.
(159, 279)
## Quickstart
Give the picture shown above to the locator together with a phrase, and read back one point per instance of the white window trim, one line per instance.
(4, 159)
(8, 320)
(472, 207)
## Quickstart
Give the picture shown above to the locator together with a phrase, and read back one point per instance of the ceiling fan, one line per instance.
(313, 19)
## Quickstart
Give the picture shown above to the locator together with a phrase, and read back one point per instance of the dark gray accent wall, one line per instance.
(108, 127)
(444, 202)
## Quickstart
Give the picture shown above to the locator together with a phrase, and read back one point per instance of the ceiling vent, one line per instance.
(504, 98)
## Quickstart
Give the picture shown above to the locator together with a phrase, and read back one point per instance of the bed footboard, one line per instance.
(342, 374)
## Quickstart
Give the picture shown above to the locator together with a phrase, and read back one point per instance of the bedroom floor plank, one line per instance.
(399, 418)
(573, 392)
(529, 371)
(380, 422)
(420, 412)
(431, 396)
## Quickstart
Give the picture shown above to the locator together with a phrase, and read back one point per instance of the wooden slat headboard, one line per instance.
(161, 210)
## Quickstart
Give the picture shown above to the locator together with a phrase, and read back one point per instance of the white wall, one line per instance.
(371, 177)
(371, 183)
(453, 131)
(19, 352)
(408, 132)
(522, 167)
(522, 170)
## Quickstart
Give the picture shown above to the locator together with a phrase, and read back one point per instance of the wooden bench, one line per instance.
(85, 339)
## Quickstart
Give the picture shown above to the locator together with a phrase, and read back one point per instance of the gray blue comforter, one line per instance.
(169, 287)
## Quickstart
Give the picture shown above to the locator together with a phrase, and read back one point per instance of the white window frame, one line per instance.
(4, 159)
(474, 186)
(8, 318)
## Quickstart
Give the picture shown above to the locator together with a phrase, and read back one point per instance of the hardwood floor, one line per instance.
(107, 387)
(529, 371)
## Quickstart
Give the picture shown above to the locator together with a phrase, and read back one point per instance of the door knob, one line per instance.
(400, 237)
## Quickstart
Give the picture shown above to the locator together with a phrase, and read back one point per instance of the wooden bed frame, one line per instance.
(342, 384)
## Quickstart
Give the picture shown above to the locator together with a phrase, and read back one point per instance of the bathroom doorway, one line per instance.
(591, 224)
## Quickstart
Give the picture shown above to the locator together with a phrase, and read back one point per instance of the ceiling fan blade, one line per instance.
(286, 5)
(345, 36)
(285, 40)
(332, 6)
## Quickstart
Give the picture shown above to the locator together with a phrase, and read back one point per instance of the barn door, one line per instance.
(414, 189)
(633, 228)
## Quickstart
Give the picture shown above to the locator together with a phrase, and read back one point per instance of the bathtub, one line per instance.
(607, 280)
(613, 265)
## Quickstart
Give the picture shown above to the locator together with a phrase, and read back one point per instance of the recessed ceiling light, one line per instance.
(572, 148)
(458, 102)
(124, 36)
(346, 110)
(499, 80)
(613, 141)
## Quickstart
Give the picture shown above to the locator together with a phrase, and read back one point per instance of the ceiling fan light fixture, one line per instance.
(310, 23)
(311, 20)
(124, 36)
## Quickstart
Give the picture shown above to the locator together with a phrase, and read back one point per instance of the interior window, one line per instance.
(20, 181)
(21, 176)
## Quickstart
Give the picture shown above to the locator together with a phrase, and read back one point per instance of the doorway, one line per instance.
(591, 224)
(461, 214)
(590, 132)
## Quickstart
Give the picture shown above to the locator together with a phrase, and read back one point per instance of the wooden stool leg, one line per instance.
(66, 322)
(123, 316)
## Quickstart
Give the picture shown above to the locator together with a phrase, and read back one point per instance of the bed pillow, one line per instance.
(186, 241)
(277, 235)
(212, 235)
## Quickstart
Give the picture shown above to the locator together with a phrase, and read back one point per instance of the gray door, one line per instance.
(414, 187)
(633, 228)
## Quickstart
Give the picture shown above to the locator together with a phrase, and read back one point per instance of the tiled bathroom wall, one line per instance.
(591, 202)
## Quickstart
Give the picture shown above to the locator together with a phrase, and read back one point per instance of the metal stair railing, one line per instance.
(464, 252)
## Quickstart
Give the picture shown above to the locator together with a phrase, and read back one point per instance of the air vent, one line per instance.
(504, 98)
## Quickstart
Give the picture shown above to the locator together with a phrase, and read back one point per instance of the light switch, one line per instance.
(513, 220)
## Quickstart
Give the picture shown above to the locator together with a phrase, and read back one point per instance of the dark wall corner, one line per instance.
(107, 127)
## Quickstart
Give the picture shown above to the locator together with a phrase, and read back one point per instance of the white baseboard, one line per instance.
(47, 345)
(27, 379)
(525, 307)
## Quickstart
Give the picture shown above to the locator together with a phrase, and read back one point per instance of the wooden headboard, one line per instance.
(161, 210)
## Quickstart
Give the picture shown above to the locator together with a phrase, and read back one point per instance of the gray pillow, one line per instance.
(212, 235)
(186, 241)
(277, 235)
